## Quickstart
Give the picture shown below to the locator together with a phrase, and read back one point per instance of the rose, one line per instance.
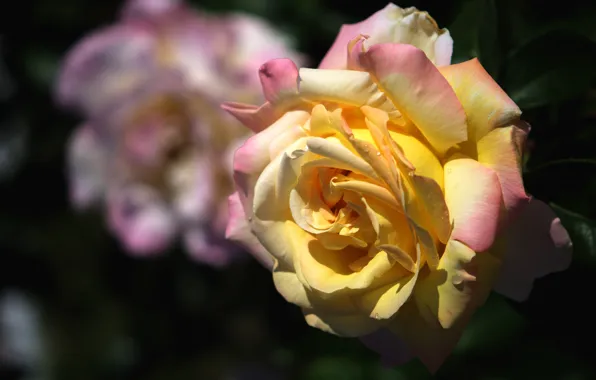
(156, 148)
(388, 199)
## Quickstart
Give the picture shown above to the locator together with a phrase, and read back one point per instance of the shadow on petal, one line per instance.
(537, 244)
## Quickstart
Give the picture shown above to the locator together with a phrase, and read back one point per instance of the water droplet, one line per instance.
(378, 153)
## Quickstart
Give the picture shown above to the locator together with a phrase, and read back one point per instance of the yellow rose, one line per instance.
(381, 196)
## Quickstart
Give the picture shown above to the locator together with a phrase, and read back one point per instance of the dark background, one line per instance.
(105, 315)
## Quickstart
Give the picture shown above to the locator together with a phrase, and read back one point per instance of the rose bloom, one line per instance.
(384, 189)
(156, 148)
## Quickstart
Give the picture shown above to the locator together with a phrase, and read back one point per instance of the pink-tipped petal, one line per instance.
(253, 117)
(501, 150)
(279, 77)
(149, 8)
(537, 244)
(486, 104)
(393, 24)
(199, 247)
(419, 91)
(141, 220)
(355, 48)
(254, 41)
(107, 64)
(473, 196)
(238, 230)
(336, 57)
(254, 154)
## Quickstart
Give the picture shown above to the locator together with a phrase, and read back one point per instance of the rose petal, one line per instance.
(141, 220)
(286, 87)
(253, 117)
(238, 229)
(537, 244)
(431, 344)
(87, 162)
(148, 8)
(254, 155)
(193, 187)
(107, 64)
(419, 91)
(192, 43)
(342, 325)
(393, 350)
(460, 284)
(290, 287)
(200, 247)
(446, 299)
(473, 196)
(396, 25)
(500, 151)
(279, 77)
(255, 41)
(385, 302)
(485, 103)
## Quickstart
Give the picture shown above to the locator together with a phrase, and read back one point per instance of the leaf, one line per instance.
(7, 85)
(550, 68)
(493, 327)
(464, 31)
(335, 368)
(13, 147)
(582, 232)
(489, 52)
(475, 34)
(564, 161)
(41, 66)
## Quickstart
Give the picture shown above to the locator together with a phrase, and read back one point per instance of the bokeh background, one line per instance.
(73, 306)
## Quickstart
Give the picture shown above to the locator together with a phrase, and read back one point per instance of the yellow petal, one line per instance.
(499, 150)
(419, 91)
(473, 195)
(385, 302)
(350, 325)
(486, 105)
(345, 87)
(460, 284)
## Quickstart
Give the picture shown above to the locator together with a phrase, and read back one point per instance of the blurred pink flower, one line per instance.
(155, 146)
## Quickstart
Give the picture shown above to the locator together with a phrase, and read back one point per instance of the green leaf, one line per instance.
(564, 161)
(553, 67)
(494, 326)
(464, 31)
(489, 52)
(582, 232)
(335, 368)
(475, 34)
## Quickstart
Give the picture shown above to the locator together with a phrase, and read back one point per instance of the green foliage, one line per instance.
(550, 68)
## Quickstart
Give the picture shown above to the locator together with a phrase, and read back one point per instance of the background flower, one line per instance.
(154, 147)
